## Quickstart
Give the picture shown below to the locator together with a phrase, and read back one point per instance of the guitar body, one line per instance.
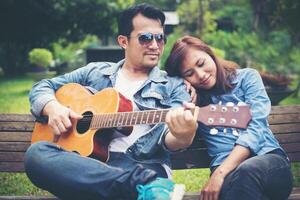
(81, 138)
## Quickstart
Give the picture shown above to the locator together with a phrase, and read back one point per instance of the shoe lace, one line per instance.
(142, 190)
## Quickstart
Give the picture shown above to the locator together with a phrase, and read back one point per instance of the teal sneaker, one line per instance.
(160, 189)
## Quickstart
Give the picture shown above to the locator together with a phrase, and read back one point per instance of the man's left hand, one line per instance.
(182, 122)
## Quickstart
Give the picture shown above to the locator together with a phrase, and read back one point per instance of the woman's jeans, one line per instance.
(71, 176)
(265, 177)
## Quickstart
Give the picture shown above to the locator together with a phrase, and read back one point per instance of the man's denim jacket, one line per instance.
(158, 92)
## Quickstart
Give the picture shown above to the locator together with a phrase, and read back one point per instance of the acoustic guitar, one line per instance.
(91, 135)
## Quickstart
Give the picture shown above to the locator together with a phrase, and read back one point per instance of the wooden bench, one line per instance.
(15, 134)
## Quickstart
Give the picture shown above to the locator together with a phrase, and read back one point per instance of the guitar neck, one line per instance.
(211, 115)
(125, 119)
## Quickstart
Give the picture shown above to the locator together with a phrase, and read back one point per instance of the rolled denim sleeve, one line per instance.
(256, 97)
(44, 91)
(179, 94)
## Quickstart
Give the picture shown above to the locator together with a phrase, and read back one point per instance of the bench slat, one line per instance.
(27, 126)
(285, 128)
(276, 110)
(294, 157)
(12, 166)
(196, 158)
(284, 119)
(16, 126)
(12, 121)
(16, 117)
(15, 141)
(288, 109)
(15, 136)
(291, 147)
(188, 196)
(27, 198)
(11, 156)
(14, 146)
(288, 138)
(295, 195)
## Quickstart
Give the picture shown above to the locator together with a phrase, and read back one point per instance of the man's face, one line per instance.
(141, 53)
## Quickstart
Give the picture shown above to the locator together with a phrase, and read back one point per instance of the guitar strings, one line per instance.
(112, 119)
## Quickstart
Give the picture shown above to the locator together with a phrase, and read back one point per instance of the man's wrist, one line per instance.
(48, 107)
(185, 140)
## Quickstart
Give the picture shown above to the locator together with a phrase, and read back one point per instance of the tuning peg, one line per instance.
(213, 108)
(213, 131)
(235, 132)
(224, 109)
(235, 109)
(229, 104)
(233, 121)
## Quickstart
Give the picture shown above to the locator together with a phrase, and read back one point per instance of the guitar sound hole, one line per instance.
(83, 124)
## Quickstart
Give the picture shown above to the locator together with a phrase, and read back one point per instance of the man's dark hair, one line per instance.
(125, 21)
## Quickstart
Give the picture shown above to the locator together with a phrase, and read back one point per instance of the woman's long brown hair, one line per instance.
(226, 70)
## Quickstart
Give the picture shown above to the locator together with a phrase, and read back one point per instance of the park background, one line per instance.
(43, 38)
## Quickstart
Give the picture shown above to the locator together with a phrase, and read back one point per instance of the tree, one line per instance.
(277, 15)
(31, 24)
(167, 5)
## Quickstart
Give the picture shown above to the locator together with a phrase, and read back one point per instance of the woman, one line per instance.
(246, 164)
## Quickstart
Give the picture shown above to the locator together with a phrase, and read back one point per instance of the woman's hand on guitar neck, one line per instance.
(59, 117)
(182, 123)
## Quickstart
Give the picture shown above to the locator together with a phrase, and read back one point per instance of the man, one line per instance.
(139, 164)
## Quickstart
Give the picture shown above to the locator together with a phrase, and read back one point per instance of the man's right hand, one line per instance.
(60, 117)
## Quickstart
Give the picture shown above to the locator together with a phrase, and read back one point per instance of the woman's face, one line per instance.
(199, 69)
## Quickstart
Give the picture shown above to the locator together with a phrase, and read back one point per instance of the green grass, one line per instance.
(14, 99)
(193, 179)
(14, 95)
(18, 184)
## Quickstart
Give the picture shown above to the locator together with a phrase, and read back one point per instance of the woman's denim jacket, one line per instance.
(249, 89)
(158, 92)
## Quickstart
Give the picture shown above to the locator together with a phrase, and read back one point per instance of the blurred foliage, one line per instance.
(254, 33)
(219, 52)
(258, 33)
(40, 57)
(70, 54)
(193, 19)
(171, 39)
(170, 42)
(167, 5)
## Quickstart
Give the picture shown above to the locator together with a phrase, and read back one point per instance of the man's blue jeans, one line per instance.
(71, 176)
(265, 177)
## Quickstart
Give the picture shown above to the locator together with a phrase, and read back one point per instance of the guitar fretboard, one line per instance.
(123, 119)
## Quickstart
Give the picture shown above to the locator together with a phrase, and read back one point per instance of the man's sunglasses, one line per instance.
(147, 38)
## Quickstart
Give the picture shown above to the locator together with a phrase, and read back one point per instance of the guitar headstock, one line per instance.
(235, 116)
